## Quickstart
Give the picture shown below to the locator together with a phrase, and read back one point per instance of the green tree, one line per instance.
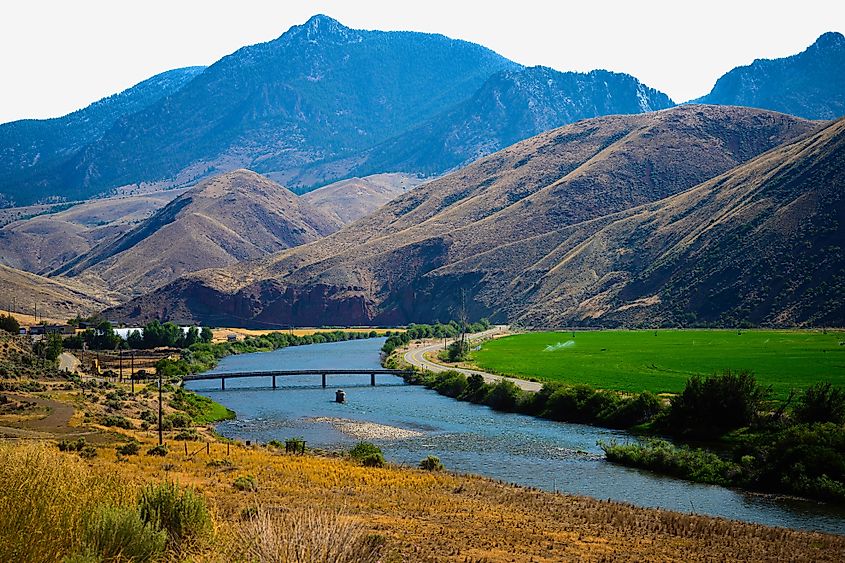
(9, 324)
(821, 403)
(707, 408)
(206, 335)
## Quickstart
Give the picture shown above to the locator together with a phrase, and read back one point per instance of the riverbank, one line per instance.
(732, 435)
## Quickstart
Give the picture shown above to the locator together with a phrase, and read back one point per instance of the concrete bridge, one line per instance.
(285, 373)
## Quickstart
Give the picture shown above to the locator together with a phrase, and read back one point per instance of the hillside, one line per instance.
(30, 146)
(406, 262)
(511, 106)
(810, 84)
(222, 220)
(55, 299)
(44, 242)
(762, 243)
(349, 200)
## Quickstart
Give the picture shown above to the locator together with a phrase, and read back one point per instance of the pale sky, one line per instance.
(58, 56)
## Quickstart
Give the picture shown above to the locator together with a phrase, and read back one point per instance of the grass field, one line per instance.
(661, 361)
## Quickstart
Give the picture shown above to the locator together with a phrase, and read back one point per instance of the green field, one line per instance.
(662, 361)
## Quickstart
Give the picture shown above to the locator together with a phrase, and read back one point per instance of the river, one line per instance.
(410, 422)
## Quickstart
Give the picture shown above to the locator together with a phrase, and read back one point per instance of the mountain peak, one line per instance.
(320, 27)
(830, 40)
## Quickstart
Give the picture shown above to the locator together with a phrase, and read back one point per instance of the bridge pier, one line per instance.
(222, 383)
(274, 382)
(373, 379)
(324, 381)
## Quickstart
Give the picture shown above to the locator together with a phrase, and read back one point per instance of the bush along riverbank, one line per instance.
(725, 429)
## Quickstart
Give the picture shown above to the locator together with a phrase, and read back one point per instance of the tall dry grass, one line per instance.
(45, 497)
(310, 535)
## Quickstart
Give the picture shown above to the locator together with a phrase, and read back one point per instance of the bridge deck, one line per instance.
(282, 373)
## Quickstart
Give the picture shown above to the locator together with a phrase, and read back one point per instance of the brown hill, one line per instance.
(43, 242)
(349, 200)
(404, 263)
(762, 243)
(232, 217)
(54, 299)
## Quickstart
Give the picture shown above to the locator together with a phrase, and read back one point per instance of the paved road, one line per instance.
(416, 357)
(69, 362)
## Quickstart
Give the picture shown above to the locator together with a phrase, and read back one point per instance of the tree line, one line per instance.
(451, 329)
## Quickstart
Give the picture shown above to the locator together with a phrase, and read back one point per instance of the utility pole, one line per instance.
(132, 372)
(120, 363)
(160, 436)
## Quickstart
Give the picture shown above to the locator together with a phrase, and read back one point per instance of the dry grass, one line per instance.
(45, 501)
(306, 536)
(424, 516)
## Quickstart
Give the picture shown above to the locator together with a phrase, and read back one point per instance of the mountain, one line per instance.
(323, 103)
(43, 242)
(762, 243)
(511, 106)
(810, 84)
(54, 299)
(349, 200)
(319, 90)
(406, 262)
(29, 146)
(225, 219)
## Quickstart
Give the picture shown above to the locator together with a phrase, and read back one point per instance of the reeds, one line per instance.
(310, 535)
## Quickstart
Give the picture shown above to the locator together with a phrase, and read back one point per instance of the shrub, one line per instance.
(476, 389)
(431, 463)
(117, 421)
(245, 483)
(179, 420)
(373, 460)
(663, 457)
(187, 435)
(74, 446)
(821, 403)
(364, 449)
(503, 396)
(88, 452)
(160, 450)
(129, 448)
(220, 463)
(120, 534)
(452, 384)
(9, 324)
(305, 535)
(707, 408)
(179, 511)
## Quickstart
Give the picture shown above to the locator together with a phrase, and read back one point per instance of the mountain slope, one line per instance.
(810, 84)
(763, 243)
(349, 200)
(43, 243)
(511, 106)
(30, 146)
(319, 90)
(405, 262)
(57, 299)
(225, 219)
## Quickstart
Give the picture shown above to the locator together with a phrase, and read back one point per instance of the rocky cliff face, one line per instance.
(810, 84)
